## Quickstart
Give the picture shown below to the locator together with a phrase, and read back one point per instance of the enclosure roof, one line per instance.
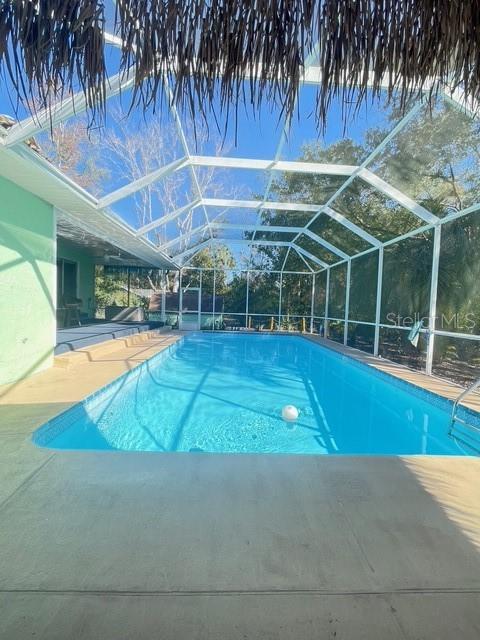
(158, 186)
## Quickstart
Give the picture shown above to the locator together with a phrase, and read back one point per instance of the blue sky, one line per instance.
(257, 137)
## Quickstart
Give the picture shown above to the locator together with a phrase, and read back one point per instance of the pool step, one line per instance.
(467, 434)
(84, 354)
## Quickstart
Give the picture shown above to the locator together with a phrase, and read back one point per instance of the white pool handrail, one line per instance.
(472, 439)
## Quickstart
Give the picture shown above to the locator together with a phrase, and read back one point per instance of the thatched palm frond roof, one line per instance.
(49, 48)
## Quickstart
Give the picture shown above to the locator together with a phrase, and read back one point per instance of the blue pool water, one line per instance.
(224, 392)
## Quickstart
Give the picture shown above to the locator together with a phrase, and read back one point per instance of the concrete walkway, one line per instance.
(127, 546)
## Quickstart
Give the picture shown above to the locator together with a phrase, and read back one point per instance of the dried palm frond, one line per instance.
(403, 47)
(50, 48)
(209, 49)
(235, 51)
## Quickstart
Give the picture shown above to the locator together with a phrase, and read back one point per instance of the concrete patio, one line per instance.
(127, 546)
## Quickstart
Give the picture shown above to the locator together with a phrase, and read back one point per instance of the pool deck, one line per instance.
(127, 546)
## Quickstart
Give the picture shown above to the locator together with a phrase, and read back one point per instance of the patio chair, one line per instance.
(72, 308)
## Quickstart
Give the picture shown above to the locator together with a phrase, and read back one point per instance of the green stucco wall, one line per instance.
(86, 273)
(27, 283)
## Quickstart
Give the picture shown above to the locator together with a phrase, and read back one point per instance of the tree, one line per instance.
(75, 151)
(108, 290)
(435, 160)
(218, 258)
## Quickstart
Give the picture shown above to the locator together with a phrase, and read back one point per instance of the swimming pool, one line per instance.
(224, 392)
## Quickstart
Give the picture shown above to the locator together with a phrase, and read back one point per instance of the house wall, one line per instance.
(86, 273)
(27, 283)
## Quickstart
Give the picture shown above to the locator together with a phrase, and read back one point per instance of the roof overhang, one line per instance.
(38, 176)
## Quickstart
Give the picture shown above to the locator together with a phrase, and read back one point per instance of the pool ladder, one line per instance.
(461, 430)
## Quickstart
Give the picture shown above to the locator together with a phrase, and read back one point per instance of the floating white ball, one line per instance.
(289, 413)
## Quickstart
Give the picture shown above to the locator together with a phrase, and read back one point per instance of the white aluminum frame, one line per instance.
(168, 217)
(244, 241)
(378, 307)
(258, 205)
(253, 228)
(431, 331)
(183, 140)
(75, 105)
(347, 301)
(378, 149)
(246, 314)
(285, 166)
(141, 183)
(432, 310)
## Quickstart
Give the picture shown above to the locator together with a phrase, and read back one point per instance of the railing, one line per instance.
(468, 434)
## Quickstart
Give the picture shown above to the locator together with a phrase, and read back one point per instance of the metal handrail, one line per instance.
(454, 418)
(464, 393)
